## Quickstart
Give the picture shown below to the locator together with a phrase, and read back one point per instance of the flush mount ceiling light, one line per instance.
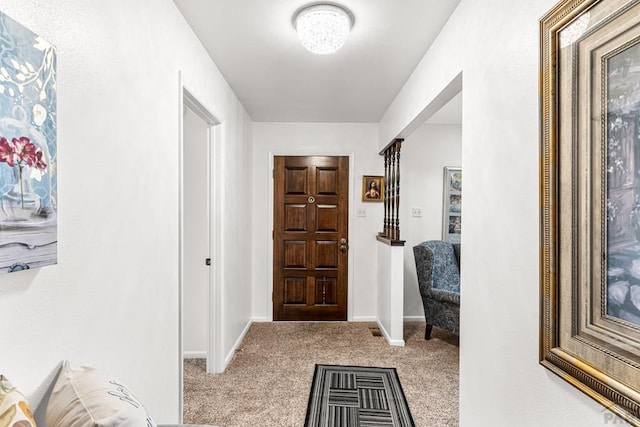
(323, 27)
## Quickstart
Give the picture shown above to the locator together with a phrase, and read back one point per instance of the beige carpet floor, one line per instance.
(268, 381)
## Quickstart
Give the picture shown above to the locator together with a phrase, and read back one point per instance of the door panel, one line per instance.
(327, 181)
(310, 226)
(295, 290)
(295, 217)
(296, 181)
(326, 290)
(326, 254)
(327, 218)
(295, 254)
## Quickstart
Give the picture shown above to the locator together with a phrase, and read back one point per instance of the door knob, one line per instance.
(344, 248)
(343, 241)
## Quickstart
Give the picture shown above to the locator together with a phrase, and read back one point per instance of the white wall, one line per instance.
(390, 292)
(495, 44)
(112, 300)
(425, 153)
(195, 296)
(328, 139)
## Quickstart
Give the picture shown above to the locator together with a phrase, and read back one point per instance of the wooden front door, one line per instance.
(310, 239)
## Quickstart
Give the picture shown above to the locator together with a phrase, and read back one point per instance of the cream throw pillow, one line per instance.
(82, 397)
(14, 409)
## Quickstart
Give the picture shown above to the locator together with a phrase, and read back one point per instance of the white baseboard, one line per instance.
(364, 319)
(236, 345)
(395, 343)
(194, 355)
(414, 318)
(354, 319)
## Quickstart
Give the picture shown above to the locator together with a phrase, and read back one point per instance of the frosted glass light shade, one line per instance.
(323, 28)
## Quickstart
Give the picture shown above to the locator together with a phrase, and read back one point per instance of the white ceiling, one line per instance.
(256, 48)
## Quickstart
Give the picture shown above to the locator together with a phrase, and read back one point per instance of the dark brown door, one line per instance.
(310, 239)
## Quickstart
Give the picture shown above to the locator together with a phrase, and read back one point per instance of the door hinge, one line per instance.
(273, 173)
(207, 261)
(273, 234)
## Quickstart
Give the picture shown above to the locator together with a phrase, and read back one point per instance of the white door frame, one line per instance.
(215, 358)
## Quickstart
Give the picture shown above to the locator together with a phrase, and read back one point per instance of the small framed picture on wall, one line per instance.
(372, 188)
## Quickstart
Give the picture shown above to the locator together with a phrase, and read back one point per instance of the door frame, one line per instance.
(351, 207)
(215, 134)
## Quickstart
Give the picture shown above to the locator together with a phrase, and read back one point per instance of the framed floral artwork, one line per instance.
(590, 200)
(28, 154)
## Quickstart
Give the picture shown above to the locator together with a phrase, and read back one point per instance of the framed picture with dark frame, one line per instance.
(452, 205)
(372, 188)
(590, 200)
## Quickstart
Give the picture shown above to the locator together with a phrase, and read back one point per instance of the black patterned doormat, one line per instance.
(357, 396)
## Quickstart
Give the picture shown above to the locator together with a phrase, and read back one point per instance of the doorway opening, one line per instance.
(432, 200)
(199, 294)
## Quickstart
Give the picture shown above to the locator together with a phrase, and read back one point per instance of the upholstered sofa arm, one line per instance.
(443, 296)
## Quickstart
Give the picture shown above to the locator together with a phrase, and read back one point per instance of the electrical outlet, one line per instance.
(416, 212)
(362, 212)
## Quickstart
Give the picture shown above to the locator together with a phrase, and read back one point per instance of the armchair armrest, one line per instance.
(424, 264)
(444, 296)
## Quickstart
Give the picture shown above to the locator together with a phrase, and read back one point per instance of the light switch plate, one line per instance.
(416, 212)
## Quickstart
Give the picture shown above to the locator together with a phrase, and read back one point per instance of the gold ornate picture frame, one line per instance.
(372, 188)
(590, 199)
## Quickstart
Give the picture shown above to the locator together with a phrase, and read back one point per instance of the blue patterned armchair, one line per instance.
(438, 268)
